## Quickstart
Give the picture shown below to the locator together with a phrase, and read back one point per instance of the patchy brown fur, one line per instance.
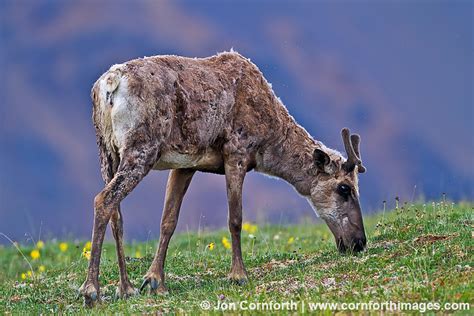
(215, 114)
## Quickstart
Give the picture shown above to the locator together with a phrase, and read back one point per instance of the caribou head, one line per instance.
(335, 193)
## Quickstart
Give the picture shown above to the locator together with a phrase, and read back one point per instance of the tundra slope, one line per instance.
(219, 115)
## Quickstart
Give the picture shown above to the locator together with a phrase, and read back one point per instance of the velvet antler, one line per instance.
(351, 144)
(355, 140)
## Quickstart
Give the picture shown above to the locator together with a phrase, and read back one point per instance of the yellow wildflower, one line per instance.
(138, 254)
(29, 273)
(40, 244)
(211, 246)
(41, 268)
(226, 243)
(291, 240)
(249, 228)
(88, 246)
(35, 254)
(63, 246)
(23, 276)
(86, 253)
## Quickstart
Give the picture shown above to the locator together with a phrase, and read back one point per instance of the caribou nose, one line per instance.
(358, 244)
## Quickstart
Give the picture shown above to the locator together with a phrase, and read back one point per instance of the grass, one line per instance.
(418, 253)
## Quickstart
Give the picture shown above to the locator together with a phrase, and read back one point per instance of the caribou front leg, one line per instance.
(178, 182)
(235, 170)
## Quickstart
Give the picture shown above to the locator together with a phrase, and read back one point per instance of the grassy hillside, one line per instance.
(421, 253)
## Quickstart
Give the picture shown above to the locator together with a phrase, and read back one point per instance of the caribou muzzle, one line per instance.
(355, 245)
(349, 234)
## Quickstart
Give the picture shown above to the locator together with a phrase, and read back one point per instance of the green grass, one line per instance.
(415, 254)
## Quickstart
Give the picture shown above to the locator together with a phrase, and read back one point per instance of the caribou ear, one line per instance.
(321, 159)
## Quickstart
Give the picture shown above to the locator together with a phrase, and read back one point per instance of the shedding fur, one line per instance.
(217, 114)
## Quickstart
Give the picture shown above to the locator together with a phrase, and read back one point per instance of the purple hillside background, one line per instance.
(398, 73)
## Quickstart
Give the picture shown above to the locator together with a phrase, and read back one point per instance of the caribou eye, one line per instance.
(344, 190)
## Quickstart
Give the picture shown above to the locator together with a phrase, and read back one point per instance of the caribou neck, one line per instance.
(290, 158)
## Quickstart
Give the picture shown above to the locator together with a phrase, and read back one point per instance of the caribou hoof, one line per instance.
(90, 292)
(239, 278)
(125, 291)
(156, 287)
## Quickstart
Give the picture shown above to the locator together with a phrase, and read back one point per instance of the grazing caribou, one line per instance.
(218, 115)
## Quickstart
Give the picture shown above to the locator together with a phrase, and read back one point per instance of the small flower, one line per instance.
(88, 246)
(226, 243)
(211, 246)
(249, 228)
(23, 276)
(276, 237)
(40, 244)
(29, 273)
(252, 236)
(63, 246)
(41, 268)
(35, 254)
(86, 253)
(138, 254)
(291, 240)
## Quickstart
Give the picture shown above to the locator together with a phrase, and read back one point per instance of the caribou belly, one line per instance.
(173, 160)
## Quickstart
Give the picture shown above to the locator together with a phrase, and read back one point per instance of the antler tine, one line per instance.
(355, 140)
(352, 159)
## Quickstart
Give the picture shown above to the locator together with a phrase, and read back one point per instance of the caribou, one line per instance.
(219, 115)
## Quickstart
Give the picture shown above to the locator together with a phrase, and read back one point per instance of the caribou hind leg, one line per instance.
(135, 164)
(125, 288)
(178, 182)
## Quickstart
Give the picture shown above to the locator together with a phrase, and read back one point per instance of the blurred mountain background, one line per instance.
(399, 73)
